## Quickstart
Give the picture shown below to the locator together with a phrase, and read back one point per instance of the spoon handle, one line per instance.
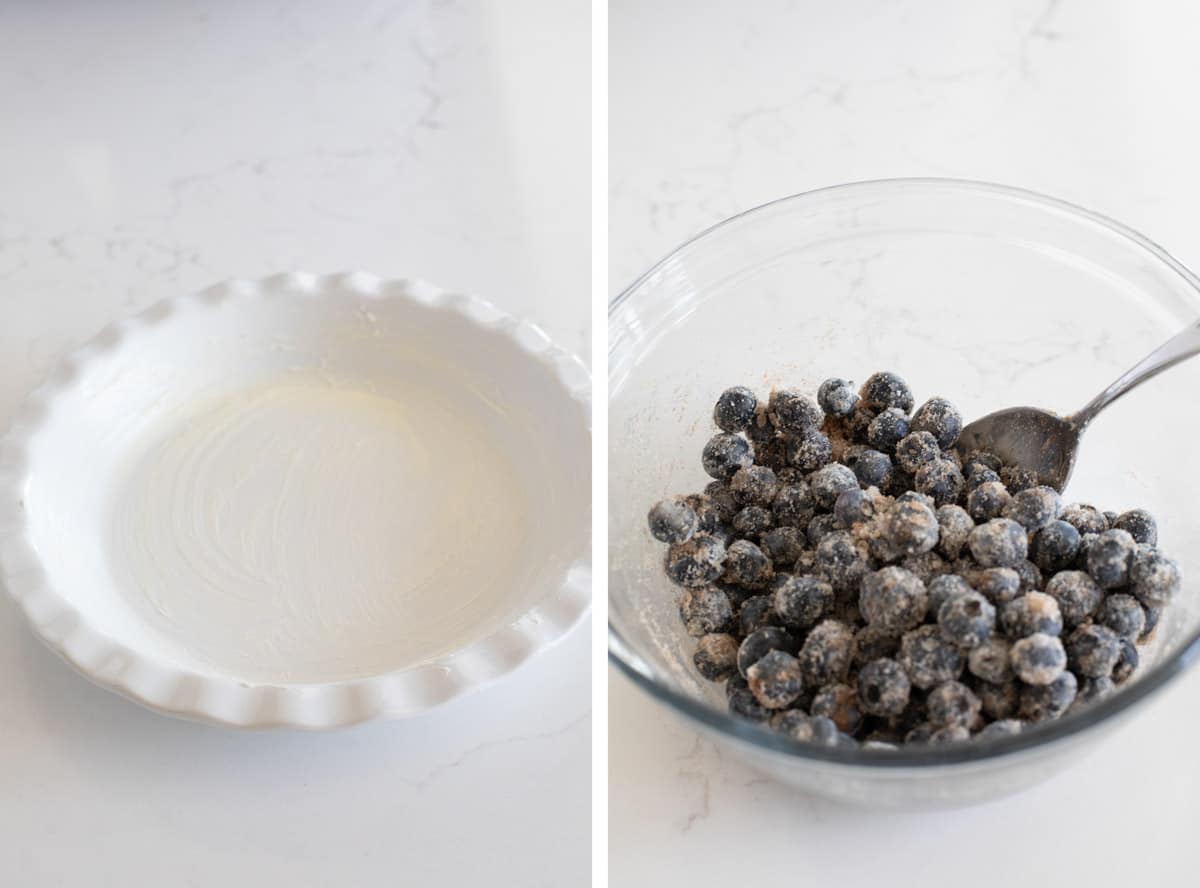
(1178, 348)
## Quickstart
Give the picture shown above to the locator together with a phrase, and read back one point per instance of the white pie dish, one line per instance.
(302, 501)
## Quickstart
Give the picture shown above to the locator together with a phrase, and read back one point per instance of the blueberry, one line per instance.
(754, 485)
(1033, 612)
(917, 449)
(826, 654)
(1030, 576)
(1093, 650)
(983, 459)
(806, 564)
(920, 734)
(999, 543)
(978, 474)
(772, 453)
(873, 469)
(941, 419)
(883, 688)
(950, 734)
(928, 657)
(672, 521)
(1055, 546)
(858, 422)
(792, 412)
(784, 545)
(716, 656)
(761, 642)
(945, 587)
(1153, 614)
(1084, 518)
(893, 599)
(1127, 664)
(746, 565)
(808, 450)
(999, 700)
(695, 563)
(873, 643)
(837, 397)
(1111, 518)
(967, 619)
(883, 390)
(855, 506)
(1038, 659)
(725, 453)
(1017, 479)
(1006, 727)
(828, 482)
(987, 501)
(842, 560)
(1047, 701)
(735, 409)
(794, 505)
(1123, 615)
(708, 515)
(954, 526)
(757, 612)
(839, 704)
(820, 527)
(999, 585)
(1156, 578)
(887, 429)
(1140, 525)
(1034, 507)
(1093, 689)
(718, 494)
(952, 704)
(810, 729)
(941, 480)
(1077, 595)
(925, 566)
(752, 522)
(990, 661)
(705, 610)
(774, 680)
(1109, 557)
(800, 602)
(743, 704)
(910, 527)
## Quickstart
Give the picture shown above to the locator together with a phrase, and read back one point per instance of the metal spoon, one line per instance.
(1046, 442)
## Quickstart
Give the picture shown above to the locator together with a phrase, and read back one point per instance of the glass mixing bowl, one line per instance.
(987, 295)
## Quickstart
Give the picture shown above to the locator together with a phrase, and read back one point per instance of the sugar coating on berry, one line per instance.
(1156, 578)
(979, 474)
(800, 602)
(743, 704)
(839, 704)
(735, 409)
(893, 599)
(716, 656)
(753, 521)
(747, 565)
(761, 642)
(837, 397)
(819, 527)
(696, 562)
(883, 687)
(987, 501)
(783, 545)
(856, 506)
(708, 516)
(1056, 546)
(1077, 595)
(1140, 525)
(883, 390)
(941, 419)
(705, 610)
(999, 700)
(794, 504)
(775, 680)
(1033, 612)
(954, 525)
(1006, 727)
(928, 657)
(1017, 479)
(808, 450)
(1084, 518)
(672, 521)
(1093, 650)
(1038, 659)
(999, 585)
(967, 619)
(791, 411)
(826, 654)
(828, 482)
(718, 494)
(725, 453)
(952, 703)
(1047, 701)
(917, 449)
(1035, 507)
(990, 661)
(910, 527)
(943, 588)
(887, 430)
(1000, 542)
(754, 485)
(1123, 614)
(1109, 557)
(811, 729)
(756, 612)
(873, 468)
(941, 480)
(1029, 574)
(925, 566)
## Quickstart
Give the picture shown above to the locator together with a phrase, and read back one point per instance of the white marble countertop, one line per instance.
(719, 107)
(150, 148)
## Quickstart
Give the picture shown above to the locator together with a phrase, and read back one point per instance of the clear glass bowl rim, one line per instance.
(911, 756)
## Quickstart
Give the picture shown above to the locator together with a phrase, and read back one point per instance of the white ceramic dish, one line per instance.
(303, 501)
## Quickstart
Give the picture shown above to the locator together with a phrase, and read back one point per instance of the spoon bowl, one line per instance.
(1027, 437)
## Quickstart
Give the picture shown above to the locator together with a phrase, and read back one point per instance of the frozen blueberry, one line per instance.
(1006, 727)
(1140, 525)
(1123, 615)
(1093, 689)
(839, 704)
(716, 656)
(837, 397)
(987, 501)
(695, 563)
(1084, 518)
(857, 423)
(746, 565)
(952, 704)
(705, 610)
(761, 642)
(721, 497)
(774, 680)
(757, 612)
(1093, 650)
(999, 543)
(913, 496)
(872, 643)
(708, 515)
(828, 482)
(735, 409)
(967, 619)
(1034, 507)
(854, 506)
(820, 527)
(883, 688)
(1127, 663)
(800, 602)
(873, 469)
(943, 588)
(725, 453)
(743, 704)
(752, 522)
(1030, 576)
(940, 480)
(792, 412)
(920, 734)
(917, 449)
(794, 505)
(808, 450)
(893, 599)
(760, 429)
(925, 566)
(1109, 557)
(999, 585)
(910, 527)
(810, 729)
(772, 453)
(1047, 701)
(887, 429)
(1017, 479)
(806, 564)
(1077, 595)
(884, 390)
(1156, 579)
(983, 459)
(1111, 518)
(928, 657)
(1153, 613)
(1033, 612)
(941, 419)
(842, 560)
(672, 521)
(1038, 659)
(734, 684)
(990, 661)
(999, 700)
(1055, 546)
(954, 525)
(784, 545)
(754, 485)
(826, 654)
(979, 474)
